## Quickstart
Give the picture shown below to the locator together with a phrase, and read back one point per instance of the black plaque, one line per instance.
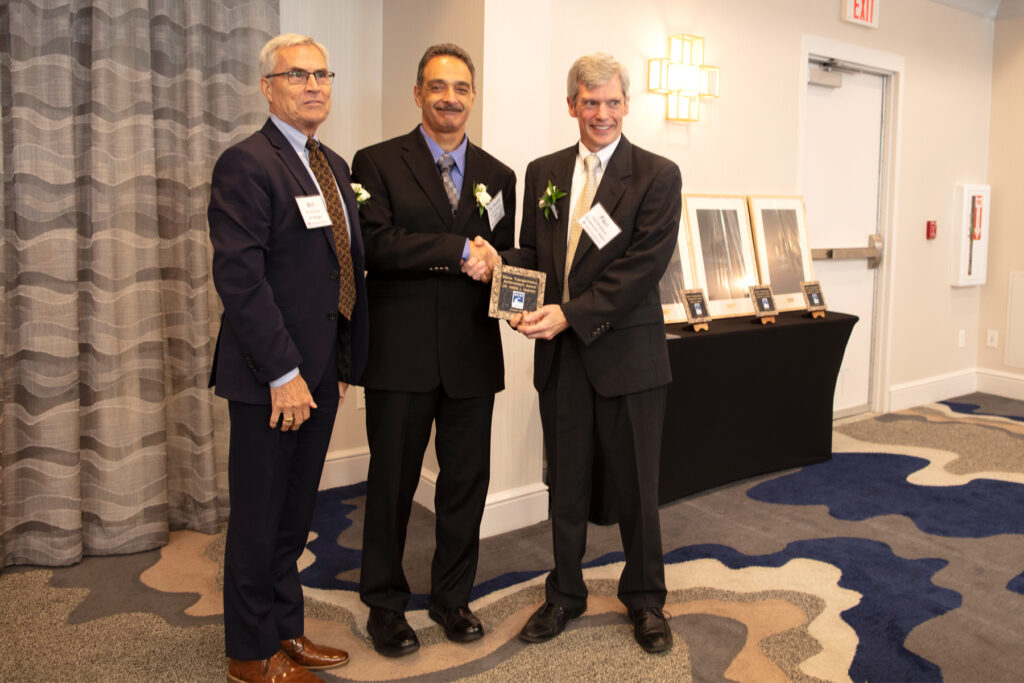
(763, 300)
(696, 306)
(514, 291)
(813, 297)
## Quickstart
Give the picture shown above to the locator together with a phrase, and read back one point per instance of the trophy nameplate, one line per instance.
(764, 303)
(814, 299)
(697, 312)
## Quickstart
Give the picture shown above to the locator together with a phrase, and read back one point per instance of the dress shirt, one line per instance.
(458, 170)
(579, 174)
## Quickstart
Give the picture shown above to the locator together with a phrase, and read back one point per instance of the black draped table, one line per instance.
(745, 399)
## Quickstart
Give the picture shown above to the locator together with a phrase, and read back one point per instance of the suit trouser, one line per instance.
(398, 429)
(273, 478)
(579, 425)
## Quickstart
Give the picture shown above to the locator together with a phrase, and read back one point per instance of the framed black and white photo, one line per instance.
(724, 264)
(780, 240)
(677, 279)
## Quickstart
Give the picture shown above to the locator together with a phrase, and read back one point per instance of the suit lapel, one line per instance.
(471, 175)
(421, 164)
(610, 190)
(561, 176)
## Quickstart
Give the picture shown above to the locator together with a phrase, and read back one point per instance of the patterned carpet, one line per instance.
(900, 559)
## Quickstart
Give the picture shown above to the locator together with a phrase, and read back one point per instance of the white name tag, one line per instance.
(495, 210)
(599, 226)
(314, 211)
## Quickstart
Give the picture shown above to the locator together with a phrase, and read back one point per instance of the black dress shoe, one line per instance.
(460, 624)
(547, 622)
(651, 629)
(392, 636)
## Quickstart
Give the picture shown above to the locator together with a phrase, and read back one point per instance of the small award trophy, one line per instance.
(764, 303)
(515, 291)
(814, 299)
(696, 309)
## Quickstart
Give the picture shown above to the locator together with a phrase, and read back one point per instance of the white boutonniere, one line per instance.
(362, 196)
(482, 197)
(547, 200)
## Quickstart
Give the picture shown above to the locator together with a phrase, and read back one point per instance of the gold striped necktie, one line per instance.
(329, 190)
(575, 228)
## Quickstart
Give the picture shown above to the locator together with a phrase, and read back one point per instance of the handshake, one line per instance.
(482, 259)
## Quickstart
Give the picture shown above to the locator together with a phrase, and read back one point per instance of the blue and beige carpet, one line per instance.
(900, 559)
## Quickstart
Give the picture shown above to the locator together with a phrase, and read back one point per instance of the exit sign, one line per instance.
(863, 12)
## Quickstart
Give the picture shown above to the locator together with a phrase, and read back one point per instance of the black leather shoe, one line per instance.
(651, 629)
(392, 636)
(460, 624)
(547, 622)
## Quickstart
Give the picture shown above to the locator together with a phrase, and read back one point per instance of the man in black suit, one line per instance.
(436, 356)
(288, 265)
(600, 359)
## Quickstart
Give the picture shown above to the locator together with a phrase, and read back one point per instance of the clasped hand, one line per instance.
(482, 259)
(547, 322)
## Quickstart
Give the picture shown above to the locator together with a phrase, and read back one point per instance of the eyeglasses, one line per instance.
(301, 76)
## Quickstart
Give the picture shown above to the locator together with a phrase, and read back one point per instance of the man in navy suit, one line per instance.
(436, 357)
(288, 265)
(601, 360)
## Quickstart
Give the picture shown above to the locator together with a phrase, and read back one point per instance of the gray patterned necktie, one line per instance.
(445, 163)
(575, 228)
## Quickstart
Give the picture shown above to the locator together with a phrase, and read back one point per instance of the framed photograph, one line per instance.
(780, 238)
(722, 249)
(677, 279)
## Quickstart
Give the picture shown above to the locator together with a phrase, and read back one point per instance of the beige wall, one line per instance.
(410, 27)
(1006, 175)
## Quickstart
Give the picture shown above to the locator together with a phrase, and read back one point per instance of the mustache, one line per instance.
(448, 106)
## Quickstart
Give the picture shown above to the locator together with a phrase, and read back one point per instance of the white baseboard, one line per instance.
(344, 467)
(999, 383)
(932, 389)
(504, 510)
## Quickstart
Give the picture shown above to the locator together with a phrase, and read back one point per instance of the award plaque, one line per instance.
(764, 303)
(515, 291)
(814, 299)
(697, 312)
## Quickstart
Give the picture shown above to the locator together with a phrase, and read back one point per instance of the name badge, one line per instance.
(495, 210)
(599, 226)
(314, 211)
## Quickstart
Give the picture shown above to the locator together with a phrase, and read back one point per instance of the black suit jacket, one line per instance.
(614, 306)
(429, 321)
(278, 280)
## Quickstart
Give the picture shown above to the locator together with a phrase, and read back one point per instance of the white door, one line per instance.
(842, 162)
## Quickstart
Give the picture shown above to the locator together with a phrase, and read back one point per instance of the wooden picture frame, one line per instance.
(677, 279)
(780, 240)
(722, 249)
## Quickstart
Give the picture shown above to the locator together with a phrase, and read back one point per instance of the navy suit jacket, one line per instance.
(614, 306)
(429, 321)
(278, 280)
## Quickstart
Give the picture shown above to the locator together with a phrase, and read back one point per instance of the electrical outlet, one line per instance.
(961, 338)
(992, 339)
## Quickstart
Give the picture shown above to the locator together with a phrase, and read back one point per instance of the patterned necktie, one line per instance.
(575, 228)
(329, 189)
(445, 163)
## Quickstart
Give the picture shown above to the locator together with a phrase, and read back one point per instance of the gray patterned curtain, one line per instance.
(113, 113)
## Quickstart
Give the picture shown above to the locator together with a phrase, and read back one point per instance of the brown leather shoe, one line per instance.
(305, 652)
(277, 669)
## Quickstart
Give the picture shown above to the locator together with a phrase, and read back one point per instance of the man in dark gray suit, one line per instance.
(436, 356)
(601, 360)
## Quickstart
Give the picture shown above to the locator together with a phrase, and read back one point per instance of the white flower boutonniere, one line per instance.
(482, 197)
(362, 196)
(547, 200)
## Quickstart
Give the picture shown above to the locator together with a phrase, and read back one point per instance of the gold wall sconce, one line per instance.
(683, 77)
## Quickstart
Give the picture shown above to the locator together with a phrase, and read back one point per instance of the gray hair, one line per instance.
(268, 55)
(446, 50)
(593, 71)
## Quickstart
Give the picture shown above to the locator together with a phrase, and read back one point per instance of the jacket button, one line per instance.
(334, 275)
(333, 315)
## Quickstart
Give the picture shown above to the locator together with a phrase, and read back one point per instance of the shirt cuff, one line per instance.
(284, 379)
(465, 251)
